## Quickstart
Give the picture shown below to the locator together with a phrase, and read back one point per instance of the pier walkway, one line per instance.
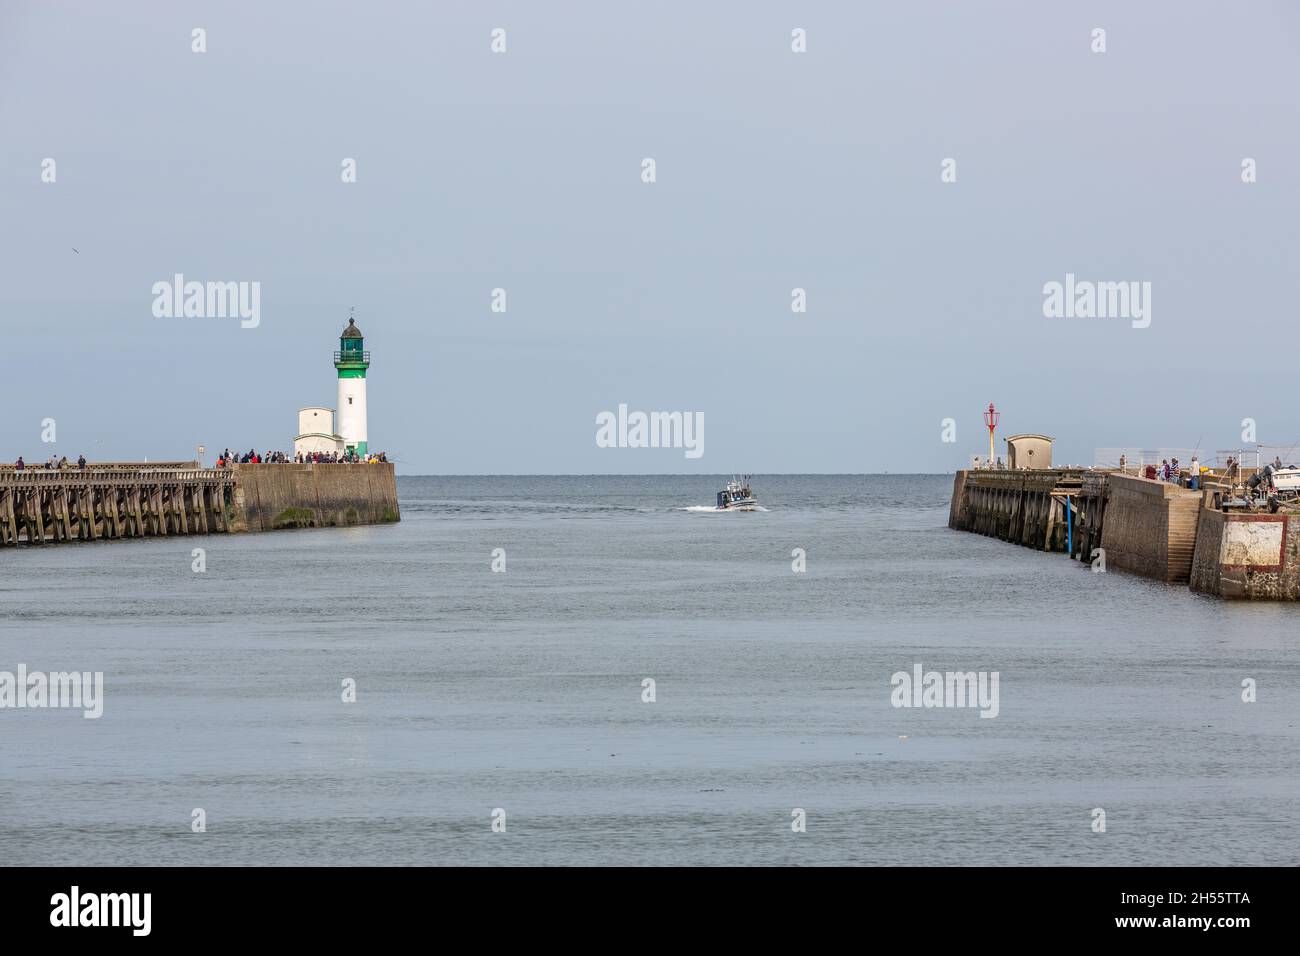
(113, 500)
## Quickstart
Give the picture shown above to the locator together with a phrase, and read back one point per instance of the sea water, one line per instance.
(520, 695)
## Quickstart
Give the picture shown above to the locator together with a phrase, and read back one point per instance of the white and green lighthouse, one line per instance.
(352, 360)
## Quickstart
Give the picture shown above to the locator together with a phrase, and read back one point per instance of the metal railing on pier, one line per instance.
(44, 477)
(1248, 457)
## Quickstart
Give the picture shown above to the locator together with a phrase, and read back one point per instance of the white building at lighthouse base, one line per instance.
(316, 432)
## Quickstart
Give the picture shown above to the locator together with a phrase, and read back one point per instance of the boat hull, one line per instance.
(743, 504)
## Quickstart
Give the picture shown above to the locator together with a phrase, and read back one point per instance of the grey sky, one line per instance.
(775, 170)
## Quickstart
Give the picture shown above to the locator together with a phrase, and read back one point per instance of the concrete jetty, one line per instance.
(114, 500)
(1112, 520)
(271, 497)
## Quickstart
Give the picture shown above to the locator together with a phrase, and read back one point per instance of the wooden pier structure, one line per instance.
(40, 506)
(1112, 520)
(112, 500)
(1038, 509)
(1147, 527)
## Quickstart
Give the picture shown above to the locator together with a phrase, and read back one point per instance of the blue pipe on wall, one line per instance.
(1069, 529)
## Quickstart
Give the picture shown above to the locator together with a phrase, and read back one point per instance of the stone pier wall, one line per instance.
(271, 497)
(1150, 527)
(1247, 555)
(1145, 527)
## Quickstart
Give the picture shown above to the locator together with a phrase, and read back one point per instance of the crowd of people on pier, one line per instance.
(53, 463)
(228, 458)
(253, 457)
(1165, 471)
(1171, 471)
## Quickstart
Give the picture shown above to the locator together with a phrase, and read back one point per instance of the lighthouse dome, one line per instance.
(351, 332)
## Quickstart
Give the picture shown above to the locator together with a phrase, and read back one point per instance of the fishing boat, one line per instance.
(737, 496)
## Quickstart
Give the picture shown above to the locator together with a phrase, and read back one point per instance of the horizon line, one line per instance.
(675, 474)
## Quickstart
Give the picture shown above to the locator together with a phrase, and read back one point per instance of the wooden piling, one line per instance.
(39, 506)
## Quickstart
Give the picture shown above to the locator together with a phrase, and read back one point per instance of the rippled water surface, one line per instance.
(523, 690)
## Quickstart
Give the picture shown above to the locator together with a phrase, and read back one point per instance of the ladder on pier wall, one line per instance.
(39, 506)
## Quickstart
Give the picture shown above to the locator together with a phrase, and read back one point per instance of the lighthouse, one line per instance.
(352, 360)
